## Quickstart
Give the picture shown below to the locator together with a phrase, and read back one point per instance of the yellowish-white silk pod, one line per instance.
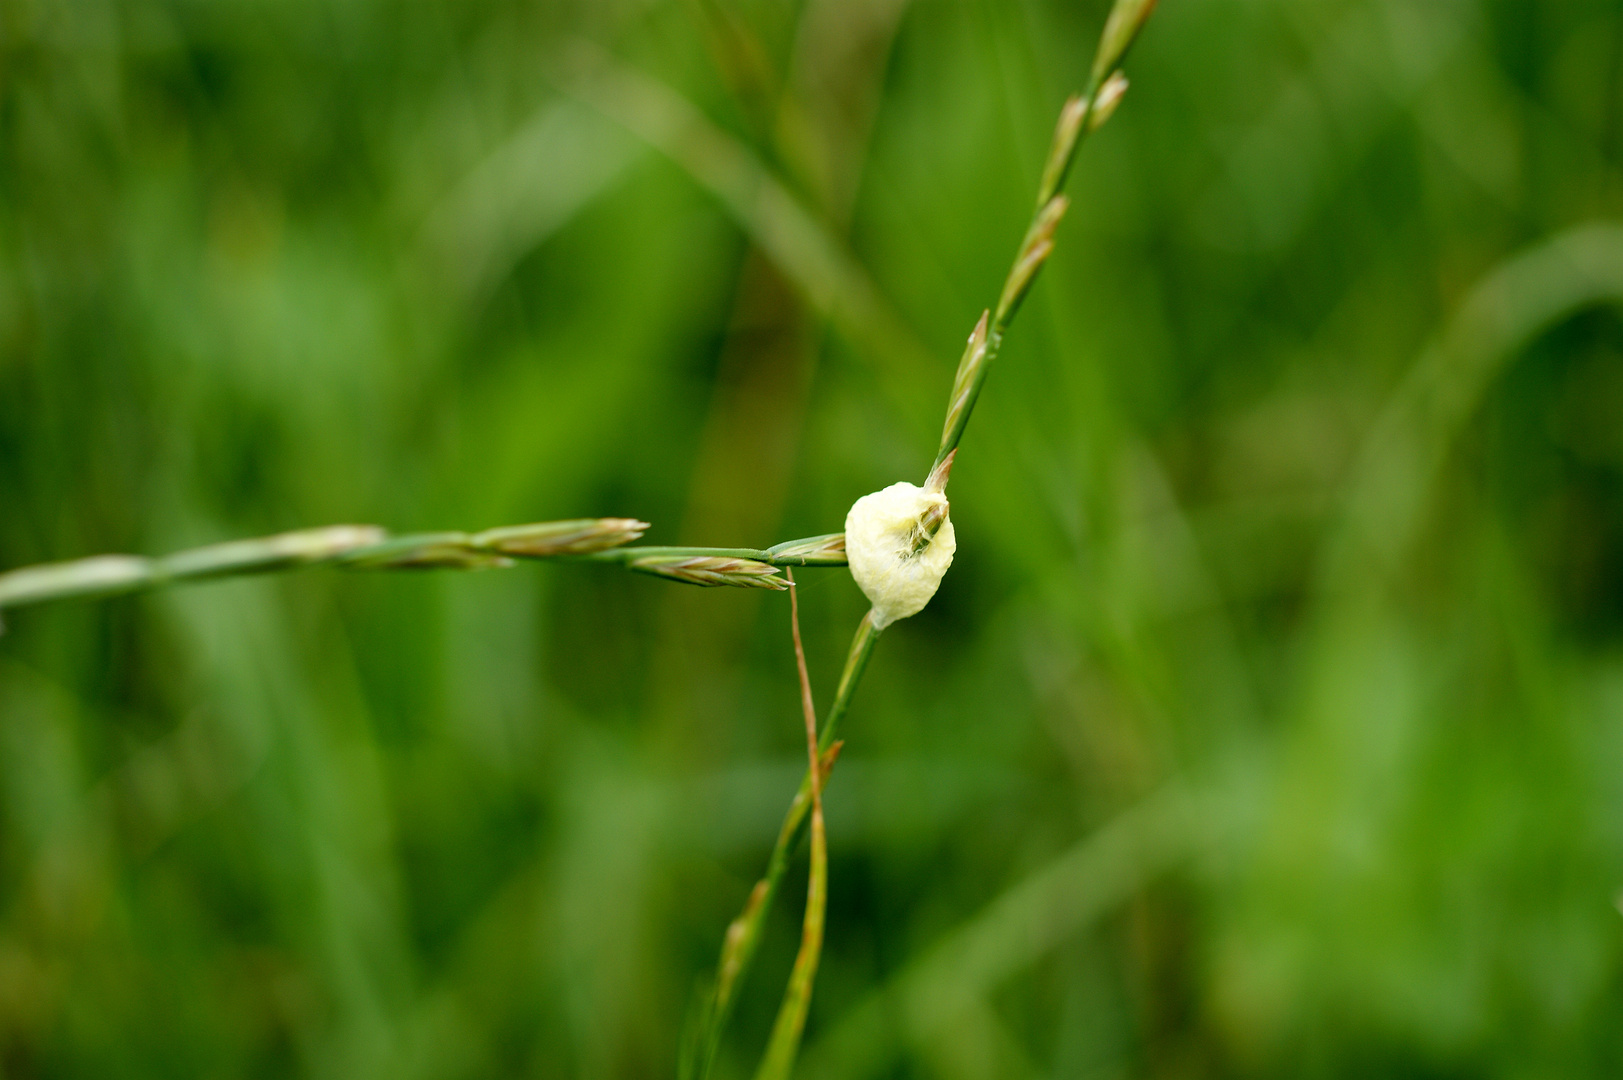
(881, 532)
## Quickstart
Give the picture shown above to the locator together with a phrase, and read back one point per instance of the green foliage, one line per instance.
(1267, 725)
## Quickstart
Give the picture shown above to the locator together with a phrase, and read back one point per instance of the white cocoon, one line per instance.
(879, 534)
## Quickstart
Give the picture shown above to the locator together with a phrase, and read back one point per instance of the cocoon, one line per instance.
(881, 532)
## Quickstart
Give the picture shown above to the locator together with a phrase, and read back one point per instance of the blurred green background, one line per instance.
(1270, 723)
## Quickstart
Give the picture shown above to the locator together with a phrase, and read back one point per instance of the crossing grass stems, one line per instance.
(364, 548)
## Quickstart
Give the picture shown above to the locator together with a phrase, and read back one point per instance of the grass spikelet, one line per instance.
(710, 570)
(550, 539)
(815, 551)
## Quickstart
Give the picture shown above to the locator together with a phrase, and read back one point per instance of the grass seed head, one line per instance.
(548, 539)
(1126, 19)
(817, 551)
(1034, 252)
(712, 570)
(1106, 100)
(1063, 149)
(938, 476)
(967, 383)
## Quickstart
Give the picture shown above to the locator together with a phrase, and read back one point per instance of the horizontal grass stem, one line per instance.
(367, 547)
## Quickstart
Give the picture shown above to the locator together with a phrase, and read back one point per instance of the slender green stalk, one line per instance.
(784, 1044)
(1081, 115)
(743, 936)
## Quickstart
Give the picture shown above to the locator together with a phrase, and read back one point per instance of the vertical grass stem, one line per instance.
(784, 1044)
(743, 937)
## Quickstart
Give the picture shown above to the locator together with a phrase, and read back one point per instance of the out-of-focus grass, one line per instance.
(1269, 724)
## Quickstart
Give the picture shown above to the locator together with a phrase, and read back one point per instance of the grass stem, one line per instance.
(784, 1044)
(743, 936)
(367, 547)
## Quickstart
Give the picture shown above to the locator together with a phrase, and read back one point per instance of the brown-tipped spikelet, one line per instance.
(712, 570)
(814, 551)
(549, 539)
(1033, 253)
(937, 480)
(966, 386)
(1126, 19)
(1063, 149)
(1106, 100)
